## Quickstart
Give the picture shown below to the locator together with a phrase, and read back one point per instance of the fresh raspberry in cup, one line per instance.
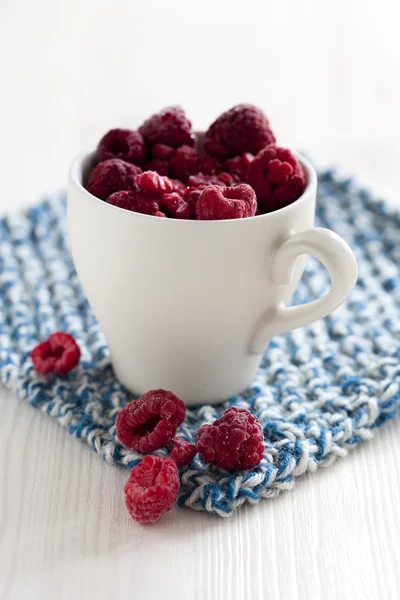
(113, 175)
(161, 151)
(175, 206)
(183, 162)
(150, 181)
(201, 181)
(234, 442)
(152, 489)
(243, 128)
(159, 166)
(150, 422)
(169, 127)
(136, 201)
(59, 354)
(236, 202)
(126, 144)
(239, 165)
(277, 178)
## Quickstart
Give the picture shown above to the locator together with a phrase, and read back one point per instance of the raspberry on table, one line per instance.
(150, 422)
(113, 175)
(152, 489)
(169, 127)
(175, 206)
(277, 178)
(182, 452)
(226, 203)
(183, 162)
(234, 442)
(136, 201)
(239, 165)
(150, 181)
(125, 144)
(243, 128)
(59, 354)
(161, 151)
(159, 166)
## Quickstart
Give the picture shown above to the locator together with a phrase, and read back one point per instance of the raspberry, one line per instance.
(159, 166)
(243, 128)
(234, 442)
(192, 196)
(150, 422)
(208, 165)
(178, 186)
(202, 181)
(182, 452)
(175, 206)
(161, 151)
(150, 181)
(277, 178)
(170, 127)
(59, 354)
(240, 164)
(152, 489)
(183, 162)
(111, 176)
(136, 201)
(226, 203)
(125, 144)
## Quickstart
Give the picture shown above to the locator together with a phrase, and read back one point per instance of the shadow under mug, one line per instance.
(190, 306)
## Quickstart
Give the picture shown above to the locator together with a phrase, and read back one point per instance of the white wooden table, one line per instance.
(327, 74)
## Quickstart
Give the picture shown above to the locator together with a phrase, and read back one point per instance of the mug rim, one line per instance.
(75, 176)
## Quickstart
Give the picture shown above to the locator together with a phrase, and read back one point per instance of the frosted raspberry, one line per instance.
(150, 181)
(234, 442)
(159, 166)
(111, 176)
(183, 162)
(59, 354)
(161, 151)
(182, 452)
(170, 127)
(136, 201)
(150, 422)
(192, 196)
(239, 165)
(152, 489)
(125, 144)
(243, 128)
(175, 206)
(226, 203)
(201, 181)
(277, 178)
(178, 186)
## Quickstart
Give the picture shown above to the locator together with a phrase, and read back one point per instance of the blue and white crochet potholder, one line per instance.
(319, 391)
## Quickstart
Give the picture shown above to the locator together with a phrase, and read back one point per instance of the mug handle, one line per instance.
(336, 256)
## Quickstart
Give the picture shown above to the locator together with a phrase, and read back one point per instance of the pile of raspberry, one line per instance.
(163, 170)
(235, 442)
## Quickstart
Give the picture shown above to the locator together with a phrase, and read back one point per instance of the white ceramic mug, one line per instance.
(189, 306)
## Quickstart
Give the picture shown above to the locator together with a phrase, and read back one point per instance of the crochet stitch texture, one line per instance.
(319, 391)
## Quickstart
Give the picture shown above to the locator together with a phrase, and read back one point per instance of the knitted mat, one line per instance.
(319, 391)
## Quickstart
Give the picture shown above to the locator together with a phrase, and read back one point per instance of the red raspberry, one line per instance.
(208, 165)
(201, 181)
(111, 176)
(150, 181)
(59, 354)
(192, 196)
(150, 422)
(182, 452)
(243, 128)
(226, 203)
(277, 178)
(178, 186)
(136, 201)
(183, 162)
(234, 442)
(161, 151)
(125, 144)
(159, 166)
(175, 206)
(170, 127)
(152, 489)
(240, 164)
